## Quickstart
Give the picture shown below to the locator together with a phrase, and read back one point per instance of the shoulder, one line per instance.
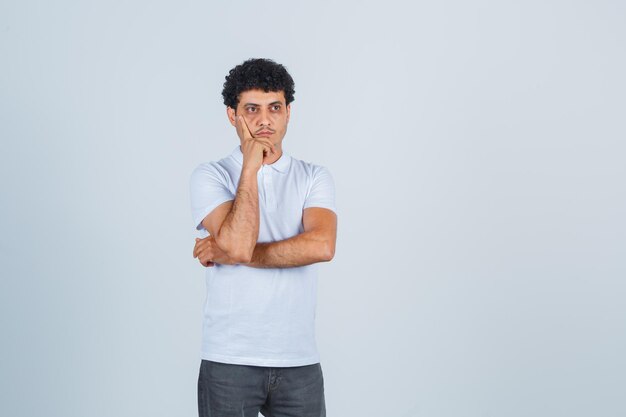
(207, 167)
(211, 171)
(309, 169)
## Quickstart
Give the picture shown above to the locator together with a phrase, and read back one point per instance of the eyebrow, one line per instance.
(258, 105)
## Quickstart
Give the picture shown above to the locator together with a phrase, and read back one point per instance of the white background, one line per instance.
(478, 153)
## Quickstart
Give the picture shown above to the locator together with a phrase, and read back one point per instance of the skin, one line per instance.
(262, 111)
(234, 225)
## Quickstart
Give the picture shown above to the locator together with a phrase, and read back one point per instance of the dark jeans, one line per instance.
(226, 390)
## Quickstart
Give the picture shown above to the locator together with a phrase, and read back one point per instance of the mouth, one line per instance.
(265, 133)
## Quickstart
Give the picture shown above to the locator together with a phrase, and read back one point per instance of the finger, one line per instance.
(271, 145)
(264, 141)
(206, 255)
(207, 262)
(197, 247)
(268, 145)
(242, 128)
(239, 126)
(246, 128)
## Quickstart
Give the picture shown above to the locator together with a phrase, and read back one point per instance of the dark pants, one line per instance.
(226, 390)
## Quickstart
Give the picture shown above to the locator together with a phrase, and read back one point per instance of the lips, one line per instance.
(265, 133)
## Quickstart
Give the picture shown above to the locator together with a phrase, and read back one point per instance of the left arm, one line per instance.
(315, 244)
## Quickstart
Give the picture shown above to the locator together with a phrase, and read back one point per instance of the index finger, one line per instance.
(243, 125)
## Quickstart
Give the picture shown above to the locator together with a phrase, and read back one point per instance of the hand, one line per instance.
(255, 150)
(209, 254)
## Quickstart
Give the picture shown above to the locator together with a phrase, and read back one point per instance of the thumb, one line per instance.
(197, 239)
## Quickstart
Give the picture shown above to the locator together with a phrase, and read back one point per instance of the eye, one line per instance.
(276, 107)
(251, 109)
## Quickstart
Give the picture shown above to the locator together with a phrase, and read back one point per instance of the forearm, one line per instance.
(303, 249)
(239, 232)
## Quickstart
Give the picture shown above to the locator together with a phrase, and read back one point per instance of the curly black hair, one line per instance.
(254, 73)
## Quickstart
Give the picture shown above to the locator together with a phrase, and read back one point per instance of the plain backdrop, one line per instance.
(478, 154)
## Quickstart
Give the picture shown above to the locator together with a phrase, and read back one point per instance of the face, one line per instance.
(265, 113)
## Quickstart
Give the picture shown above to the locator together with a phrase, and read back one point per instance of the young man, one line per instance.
(270, 219)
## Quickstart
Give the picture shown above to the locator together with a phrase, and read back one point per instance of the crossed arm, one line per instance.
(315, 244)
(226, 246)
(234, 225)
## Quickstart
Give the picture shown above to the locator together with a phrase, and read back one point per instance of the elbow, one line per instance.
(238, 253)
(241, 257)
(328, 252)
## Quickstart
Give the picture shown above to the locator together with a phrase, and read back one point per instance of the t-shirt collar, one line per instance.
(281, 165)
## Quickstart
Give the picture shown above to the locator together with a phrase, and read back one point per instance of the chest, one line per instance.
(281, 201)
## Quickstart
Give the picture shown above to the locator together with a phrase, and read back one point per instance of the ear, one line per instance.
(288, 109)
(230, 112)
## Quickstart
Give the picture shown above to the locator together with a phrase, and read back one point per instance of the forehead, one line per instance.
(261, 97)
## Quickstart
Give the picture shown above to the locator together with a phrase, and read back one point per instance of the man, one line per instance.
(270, 219)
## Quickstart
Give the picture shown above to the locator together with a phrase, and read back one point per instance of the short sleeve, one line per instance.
(322, 191)
(208, 188)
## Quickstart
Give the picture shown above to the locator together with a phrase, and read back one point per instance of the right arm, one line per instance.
(235, 224)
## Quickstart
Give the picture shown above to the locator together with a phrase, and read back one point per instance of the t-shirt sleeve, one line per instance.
(322, 191)
(208, 188)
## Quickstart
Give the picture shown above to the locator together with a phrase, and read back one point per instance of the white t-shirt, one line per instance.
(262, 316)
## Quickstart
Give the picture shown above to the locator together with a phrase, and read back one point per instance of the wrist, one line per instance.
(249, 171)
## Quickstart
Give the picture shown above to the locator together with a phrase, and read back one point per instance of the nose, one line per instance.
(263, 118)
